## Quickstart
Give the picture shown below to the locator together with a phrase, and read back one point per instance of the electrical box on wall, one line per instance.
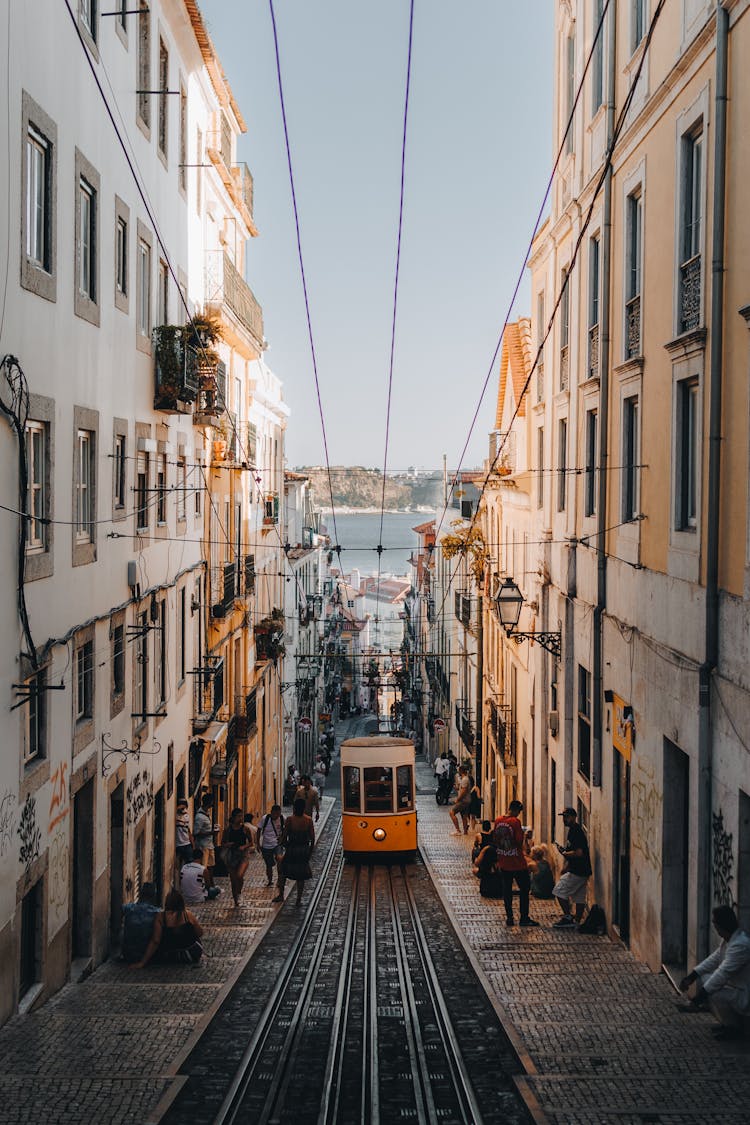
(133, 583)
(554, 723)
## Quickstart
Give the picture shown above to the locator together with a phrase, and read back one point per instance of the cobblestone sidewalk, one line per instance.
(601, 1036)
(102, 1052)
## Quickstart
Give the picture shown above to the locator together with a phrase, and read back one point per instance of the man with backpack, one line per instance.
(507, 837)
(269, 840)
(571, 886)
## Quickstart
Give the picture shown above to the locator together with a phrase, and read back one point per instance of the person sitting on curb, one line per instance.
(724, 976)
(571, 886)
(138, 924)
(176, 934)
(481, 840)
(193, 881)
(489, 875)
(542, 879)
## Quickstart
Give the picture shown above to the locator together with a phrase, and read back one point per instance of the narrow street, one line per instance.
(599, 1036)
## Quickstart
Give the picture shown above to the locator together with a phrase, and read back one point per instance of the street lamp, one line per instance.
(508, 602)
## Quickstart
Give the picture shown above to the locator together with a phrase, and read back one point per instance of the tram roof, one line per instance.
(376, 740)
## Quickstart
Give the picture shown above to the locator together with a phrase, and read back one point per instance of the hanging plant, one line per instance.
(470, 542)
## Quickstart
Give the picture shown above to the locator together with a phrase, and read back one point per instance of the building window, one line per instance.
(161, 489)
(630, 453)
(198, 170)
(686, 476)
(87, 12)
(84, 486)
(181, 634)
(140, 694)
(122, 18)
(141, 492)
(163, 96)
(36, 488)
(690, 231)
(633, 235)
(584, 722)
(540, 467)
(119, 470)
(118, 659)
(590, 475)
(35, 744)
(38, 199)
(86, 239)
(198, 495)
(84, 689)
(562, 463)
(182, 167)
(144, 288)
(637, 22)
(597, 62)
(593, 307)
(564, 330)
(181, 488)
(144, 66)
(163, 292)
(121, 256)
(160, 655)
(570, 90)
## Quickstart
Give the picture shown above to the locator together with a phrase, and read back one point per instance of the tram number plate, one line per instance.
(396, 1011)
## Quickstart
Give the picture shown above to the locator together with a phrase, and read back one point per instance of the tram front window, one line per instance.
(378, 789)
(351, 788)
(404, 788)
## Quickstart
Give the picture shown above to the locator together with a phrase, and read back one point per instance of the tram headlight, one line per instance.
(379, 835)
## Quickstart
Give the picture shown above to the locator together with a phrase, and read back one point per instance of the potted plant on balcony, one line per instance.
(269, 636)
(172, 387)
(219, 443)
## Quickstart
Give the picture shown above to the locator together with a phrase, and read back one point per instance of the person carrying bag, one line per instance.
(269, 841)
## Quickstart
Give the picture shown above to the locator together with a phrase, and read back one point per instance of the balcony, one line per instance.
(210, 402)
(176, 372)
(462, 607)
(633, 326)
(690, 294)
(271, 509)
(464, 726)
(540, 382)
(208, 692)
(224, 589)
(593, 352)
(226, 289)
(245, 186)
(249, 573)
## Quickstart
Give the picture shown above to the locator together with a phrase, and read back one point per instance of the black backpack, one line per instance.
(595, 922)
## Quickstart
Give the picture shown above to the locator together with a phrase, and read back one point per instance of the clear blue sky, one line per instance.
(479, 151)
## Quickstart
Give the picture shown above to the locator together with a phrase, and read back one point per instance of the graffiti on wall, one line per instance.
(139, 797)
(59, 805)
(29, 833)
(646, 816)
(722, 857)
(59, 857)
(7, 820)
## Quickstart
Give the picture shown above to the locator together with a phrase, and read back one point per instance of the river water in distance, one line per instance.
(359, 535)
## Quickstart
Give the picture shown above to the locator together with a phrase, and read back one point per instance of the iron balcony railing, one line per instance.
(690, 293)
(633, 326)
(564, 367)
(594, 351)
(225, 286)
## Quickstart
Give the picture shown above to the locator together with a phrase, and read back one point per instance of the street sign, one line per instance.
(305, 725)
(438, 725)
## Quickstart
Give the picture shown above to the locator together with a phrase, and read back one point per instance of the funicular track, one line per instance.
(357, 1026)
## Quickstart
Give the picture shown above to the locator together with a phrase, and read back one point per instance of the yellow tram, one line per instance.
(377, 798)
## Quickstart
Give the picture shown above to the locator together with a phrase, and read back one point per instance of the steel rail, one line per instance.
(253, 1054)
(425, 1103)
(329, 1106)
(370, 1021)
(469, 1106)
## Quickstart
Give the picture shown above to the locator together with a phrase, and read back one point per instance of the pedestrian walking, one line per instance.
(309, 794)
(138, 924)
(237, 842)
(462, 802)
(176, 934)
(203, 836)
(183, 837)
(571, 886)
(298, 841)
(508, 839)
(269, 841)
(319, 776)
(723, 977)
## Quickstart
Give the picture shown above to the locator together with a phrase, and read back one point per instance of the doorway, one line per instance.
(116, 860)
(674, 882)
(743, 862)
(157, 865)
(31, 938)
(621, 823)
(83, 870)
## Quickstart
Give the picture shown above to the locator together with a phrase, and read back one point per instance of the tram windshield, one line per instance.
(404, 788)
(351, 788)
(378, 789)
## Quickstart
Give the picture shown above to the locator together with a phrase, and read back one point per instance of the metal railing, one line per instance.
(226, 286)
(690, 294)
(633, 326)
(564, 367)
(594, 351)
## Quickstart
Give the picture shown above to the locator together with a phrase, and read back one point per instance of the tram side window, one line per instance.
(404, 788)
(351, 788)
(378, 789)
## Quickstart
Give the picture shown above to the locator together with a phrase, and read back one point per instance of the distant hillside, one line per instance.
(357, 487)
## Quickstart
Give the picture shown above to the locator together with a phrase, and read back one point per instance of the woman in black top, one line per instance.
(237, 843)
(298, 839)
(176, 932)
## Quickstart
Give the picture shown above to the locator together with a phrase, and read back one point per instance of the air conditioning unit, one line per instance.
(554, 723)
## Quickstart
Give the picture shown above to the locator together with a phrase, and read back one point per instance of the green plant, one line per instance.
(468, 541)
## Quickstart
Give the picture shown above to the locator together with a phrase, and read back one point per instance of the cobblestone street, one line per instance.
(601, 1038)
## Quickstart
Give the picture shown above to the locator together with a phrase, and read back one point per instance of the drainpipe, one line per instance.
(479, 725)
(604, 360)
(713, 487)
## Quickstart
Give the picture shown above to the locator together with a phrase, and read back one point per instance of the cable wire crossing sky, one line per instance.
(477, 160)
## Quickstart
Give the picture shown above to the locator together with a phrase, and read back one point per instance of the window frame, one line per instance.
(35, 727)
(88, 25)
(687, 448)
(39, 278)
(630, 445)
(183, 145)
(540, 467)
(692, 123)
(141, 507)
(83, 692)
(143, 72)
(562, 464)
(597, 58)
(638, 23)
(633, 282)
(38, 479)
(162, 108)
(122, 256)
(591, 442)
(144, 288)
(85, 423)
(86, 290)
(118, 662)
(584, 724)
